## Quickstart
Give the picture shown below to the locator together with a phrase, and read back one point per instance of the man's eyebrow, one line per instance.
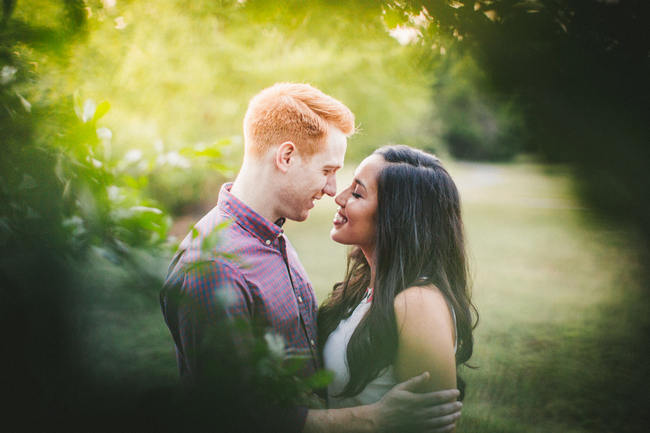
(357, 181)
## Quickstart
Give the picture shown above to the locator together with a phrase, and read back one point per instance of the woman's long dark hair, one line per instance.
(419, 241)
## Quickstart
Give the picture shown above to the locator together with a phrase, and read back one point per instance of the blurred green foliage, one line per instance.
(182, 74)
(84, 245)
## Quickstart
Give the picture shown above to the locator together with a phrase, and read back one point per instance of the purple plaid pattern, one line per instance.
(253, 272)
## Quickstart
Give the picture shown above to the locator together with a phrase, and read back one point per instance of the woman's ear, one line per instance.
(285, 156)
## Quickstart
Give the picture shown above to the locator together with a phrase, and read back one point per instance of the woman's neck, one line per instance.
(369, 254)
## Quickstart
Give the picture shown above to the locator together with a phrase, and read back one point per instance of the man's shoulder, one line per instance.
(207, 253)
(218, 237)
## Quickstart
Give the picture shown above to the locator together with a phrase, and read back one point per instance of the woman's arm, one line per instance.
(426, 337)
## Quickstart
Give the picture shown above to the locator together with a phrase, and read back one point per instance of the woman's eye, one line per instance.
(356, 195)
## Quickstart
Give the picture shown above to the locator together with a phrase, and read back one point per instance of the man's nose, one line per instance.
(330, 186)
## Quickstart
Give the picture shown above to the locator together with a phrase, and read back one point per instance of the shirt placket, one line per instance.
(303, 306)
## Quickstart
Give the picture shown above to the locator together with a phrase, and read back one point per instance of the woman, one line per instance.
(404, 305)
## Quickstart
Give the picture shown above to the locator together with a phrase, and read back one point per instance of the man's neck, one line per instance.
(247, 187)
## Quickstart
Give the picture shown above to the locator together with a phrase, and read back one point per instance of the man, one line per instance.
(295, 139)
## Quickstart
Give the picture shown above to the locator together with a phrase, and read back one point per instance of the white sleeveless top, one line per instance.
(335, 360)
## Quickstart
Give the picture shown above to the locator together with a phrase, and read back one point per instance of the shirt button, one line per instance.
(267, 242)
(300, 299)
(312, 342)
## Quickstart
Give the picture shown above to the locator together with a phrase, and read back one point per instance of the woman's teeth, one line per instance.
(339, 219)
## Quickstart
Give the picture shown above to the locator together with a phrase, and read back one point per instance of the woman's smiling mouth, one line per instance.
(339, 219)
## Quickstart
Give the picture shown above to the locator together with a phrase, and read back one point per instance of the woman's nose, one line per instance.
(340, 199)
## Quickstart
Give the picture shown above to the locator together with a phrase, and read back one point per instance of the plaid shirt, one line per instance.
(254, 269)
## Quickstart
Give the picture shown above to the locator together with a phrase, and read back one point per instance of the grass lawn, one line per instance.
(558, 292)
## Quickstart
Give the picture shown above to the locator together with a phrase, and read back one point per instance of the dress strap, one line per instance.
(368, 296)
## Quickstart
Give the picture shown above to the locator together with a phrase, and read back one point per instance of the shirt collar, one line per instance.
(251, 221)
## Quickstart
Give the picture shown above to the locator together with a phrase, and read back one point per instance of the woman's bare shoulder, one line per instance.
(425, 336)
(424, 299)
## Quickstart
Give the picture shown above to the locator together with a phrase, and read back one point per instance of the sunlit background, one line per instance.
(121, 119)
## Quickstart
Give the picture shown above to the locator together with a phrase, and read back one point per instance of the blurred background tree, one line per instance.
(576, 74)
(476, 124)
(182, 74)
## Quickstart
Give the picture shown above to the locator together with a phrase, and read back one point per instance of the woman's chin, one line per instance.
(336, 236)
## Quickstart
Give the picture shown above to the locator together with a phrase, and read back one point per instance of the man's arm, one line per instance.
(212, 295)
(401, 409)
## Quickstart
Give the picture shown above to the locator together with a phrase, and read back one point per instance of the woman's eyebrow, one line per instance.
(357, 181)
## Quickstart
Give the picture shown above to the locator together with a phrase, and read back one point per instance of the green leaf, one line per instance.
(293, 364)
(223, 168)
(78, 104)
(28, 182)
(229, 256)
(320, 379)
(394, 17)
(199, 266)
(222, 225)
(146, 209)
(101, 110)
(223, 142)
(66, 188)
(210, 241)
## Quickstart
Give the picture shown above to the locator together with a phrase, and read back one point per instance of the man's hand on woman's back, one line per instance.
(401, 409)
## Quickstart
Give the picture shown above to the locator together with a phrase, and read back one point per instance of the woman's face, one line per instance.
(354, 222)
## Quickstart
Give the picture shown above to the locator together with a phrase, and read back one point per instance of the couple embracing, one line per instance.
(395, 329)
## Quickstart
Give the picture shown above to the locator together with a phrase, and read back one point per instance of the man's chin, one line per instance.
(300, 217)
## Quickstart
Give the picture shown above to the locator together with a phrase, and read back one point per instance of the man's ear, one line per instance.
(285, 156)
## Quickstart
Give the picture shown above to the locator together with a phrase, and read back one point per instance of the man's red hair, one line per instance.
(293, 112)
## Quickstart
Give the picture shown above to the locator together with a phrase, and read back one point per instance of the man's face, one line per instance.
(310, 179)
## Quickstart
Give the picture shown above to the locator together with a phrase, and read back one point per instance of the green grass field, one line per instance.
(557, 290)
